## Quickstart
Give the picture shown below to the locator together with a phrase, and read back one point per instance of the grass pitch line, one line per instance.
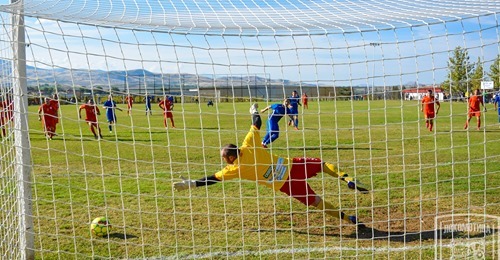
(314, 249)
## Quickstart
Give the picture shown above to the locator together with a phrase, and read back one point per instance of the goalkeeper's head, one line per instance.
(229, 153)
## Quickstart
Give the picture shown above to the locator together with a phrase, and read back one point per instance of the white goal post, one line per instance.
(104, 105)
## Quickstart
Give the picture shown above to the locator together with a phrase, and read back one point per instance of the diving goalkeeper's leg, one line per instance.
(351, 182)
(332, 211)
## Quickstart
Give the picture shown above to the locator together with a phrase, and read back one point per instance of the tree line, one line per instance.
(464, 75)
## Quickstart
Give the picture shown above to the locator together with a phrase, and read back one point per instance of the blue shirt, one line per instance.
(148, 101)
(497, 101)
(278, 111)
(294, 103)
(110, 105)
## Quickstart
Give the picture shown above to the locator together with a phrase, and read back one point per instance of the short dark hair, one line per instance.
(230, 150)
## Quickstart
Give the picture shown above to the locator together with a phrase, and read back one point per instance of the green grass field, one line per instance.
(415, 176)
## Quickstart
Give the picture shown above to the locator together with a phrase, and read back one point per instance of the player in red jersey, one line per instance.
(6, 113)
(46, 116)
(475, 102)
(304, 100)
(8, 109)
(91, 113)
(3, 119)
(130, 101)
(167, 106)
(429, 103)
(54, 103)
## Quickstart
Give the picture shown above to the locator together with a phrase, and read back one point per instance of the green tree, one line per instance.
(477, 75)
(494, 73)
(460, 71)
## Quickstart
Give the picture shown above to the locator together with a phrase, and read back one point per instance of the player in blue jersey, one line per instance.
(148, 100)
(110, 107)
(496, 102)
(294, 109)
(273, 129)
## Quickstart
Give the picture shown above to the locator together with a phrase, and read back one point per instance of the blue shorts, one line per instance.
(111, 117)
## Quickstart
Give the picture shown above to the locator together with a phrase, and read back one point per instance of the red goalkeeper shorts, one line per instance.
(296, 186)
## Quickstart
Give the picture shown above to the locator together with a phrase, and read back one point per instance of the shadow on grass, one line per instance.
(368, 233)
(405, 237)
(122, 236)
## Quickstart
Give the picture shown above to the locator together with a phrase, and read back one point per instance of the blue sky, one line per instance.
(411, 54)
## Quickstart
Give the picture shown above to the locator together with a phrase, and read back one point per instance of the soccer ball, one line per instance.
(100, 227)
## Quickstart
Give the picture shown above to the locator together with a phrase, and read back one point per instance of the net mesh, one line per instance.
(250, 17)
(10, 221)
(365, 66)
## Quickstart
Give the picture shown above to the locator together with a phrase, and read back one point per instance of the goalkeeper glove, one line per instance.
(353, 184)
(357, 185)
(184, 184)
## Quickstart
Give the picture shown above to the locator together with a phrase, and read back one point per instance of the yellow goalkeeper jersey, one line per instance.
(257, 164)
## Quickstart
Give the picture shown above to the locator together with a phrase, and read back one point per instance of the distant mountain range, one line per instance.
(136, 80)
(139, 78)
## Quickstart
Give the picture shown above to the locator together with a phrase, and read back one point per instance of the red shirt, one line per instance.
(304, 99)
(129, 101)
(428, 102)
(475, 102)
(47, 113)
(91, 112)
(55, 107)
(166, 105)
(54, 104)
(8, 109)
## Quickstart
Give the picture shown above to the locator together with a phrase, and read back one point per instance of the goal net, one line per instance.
(362, 71)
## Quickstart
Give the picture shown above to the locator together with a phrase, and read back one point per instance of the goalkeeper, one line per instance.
(252, 162)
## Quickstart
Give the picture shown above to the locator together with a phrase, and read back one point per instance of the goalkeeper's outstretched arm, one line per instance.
(185, 184)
